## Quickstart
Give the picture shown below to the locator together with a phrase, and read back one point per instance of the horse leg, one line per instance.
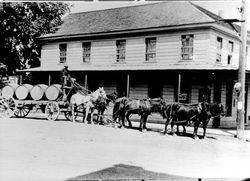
(100, 117)
(184, 129)
(145, 121)
(196, 126)
(122, 120)
(114, 119)
(177, 127)
(141, 123)
(204, 128)
(172, 128)
(166, 126)
(127, 117)
(73, 112)
(91, 115)
(86, 115)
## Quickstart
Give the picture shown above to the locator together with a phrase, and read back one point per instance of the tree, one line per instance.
(21, 24)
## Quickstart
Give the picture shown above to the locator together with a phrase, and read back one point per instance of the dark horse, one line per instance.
(124, 107)
(102, 104)
(181, 114)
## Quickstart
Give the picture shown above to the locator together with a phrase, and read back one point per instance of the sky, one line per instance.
(229, 7)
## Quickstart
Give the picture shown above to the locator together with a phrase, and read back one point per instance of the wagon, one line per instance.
(19, 100)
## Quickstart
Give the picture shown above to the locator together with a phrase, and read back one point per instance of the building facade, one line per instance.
(152, 50)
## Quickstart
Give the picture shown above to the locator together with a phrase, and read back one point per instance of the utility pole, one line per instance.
(242, 75)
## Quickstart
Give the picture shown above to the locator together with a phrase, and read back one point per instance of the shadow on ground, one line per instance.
(122, 172)
(128, 172)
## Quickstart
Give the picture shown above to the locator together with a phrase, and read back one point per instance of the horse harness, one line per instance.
(199, 109)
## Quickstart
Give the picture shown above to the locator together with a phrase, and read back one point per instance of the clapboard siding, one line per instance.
(213, 49)
(168, 93)
(168, 49)
(50, 55)
(139, 91)
(135, 50)
(195, 93)
(109, 88)
(248, 57)
(103, 52)
(74, 53)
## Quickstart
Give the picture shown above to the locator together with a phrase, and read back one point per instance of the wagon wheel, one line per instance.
(7, 106)
(22, 111)
(52, 111)
(68, 114)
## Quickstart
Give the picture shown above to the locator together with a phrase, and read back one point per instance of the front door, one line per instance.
(121, 85)
(155, 89)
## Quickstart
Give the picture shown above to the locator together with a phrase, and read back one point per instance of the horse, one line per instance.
(181, 114)
(87, 101)
(101, 105)
(213, 110)
(124, 107)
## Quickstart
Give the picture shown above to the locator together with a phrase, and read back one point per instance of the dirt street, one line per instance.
(36, 149)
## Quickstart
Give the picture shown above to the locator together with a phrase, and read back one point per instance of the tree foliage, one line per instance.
(21, 24)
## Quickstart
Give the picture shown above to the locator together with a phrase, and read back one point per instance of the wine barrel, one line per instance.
(53, 92)
(38, 91)
(22, 91)
(9, 90)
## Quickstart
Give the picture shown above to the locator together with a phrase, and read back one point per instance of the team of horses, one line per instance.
(172, 113)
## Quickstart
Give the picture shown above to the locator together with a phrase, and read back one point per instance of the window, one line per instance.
(86, 49)
(219, 48)
(120, 50)
(230, 52)
(150, 49)
(63, 53)
(187, 47)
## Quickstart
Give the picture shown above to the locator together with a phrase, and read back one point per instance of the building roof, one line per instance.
(153, 15)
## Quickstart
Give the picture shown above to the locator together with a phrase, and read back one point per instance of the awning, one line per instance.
(42, 69)
(126, 67)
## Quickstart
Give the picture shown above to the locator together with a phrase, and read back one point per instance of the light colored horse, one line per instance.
(87, 101)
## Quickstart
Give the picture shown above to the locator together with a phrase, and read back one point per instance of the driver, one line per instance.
(66, 80)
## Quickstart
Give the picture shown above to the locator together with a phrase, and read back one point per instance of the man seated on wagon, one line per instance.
(66, 81)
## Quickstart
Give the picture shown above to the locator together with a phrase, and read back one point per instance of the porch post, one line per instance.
(128, 79)
(21, 79)
(179, 87)
(242, 75)
(86, 81)
(49, 82)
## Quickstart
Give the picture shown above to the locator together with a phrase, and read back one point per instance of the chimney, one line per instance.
(221, 13)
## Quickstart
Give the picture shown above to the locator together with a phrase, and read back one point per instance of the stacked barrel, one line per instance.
(30, 92)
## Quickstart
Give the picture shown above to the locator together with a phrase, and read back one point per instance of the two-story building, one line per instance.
(176, 50)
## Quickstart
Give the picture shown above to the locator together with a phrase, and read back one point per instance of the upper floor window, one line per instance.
(230, 52)
(63, 52)
(187, 47)
(150, 49)
(120, 50)
(86, 50)
(219, 48)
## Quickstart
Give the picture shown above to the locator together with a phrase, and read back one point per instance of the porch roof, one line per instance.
(123, 67)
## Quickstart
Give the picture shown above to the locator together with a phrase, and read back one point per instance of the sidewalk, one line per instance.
(154, 122)
(159, 124)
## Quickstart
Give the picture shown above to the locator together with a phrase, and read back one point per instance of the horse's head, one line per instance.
(221, 109)
(112, 97)
(215, 109)
(101, 92)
